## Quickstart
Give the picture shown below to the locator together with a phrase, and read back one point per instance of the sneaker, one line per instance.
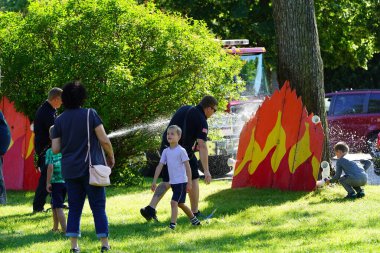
(149, 213)
(194, 221)
(105, 248)
(350, 196)
(154, 217)
(360, 195)
(172, 226)
(145, 214)
(198, 214)
(75, 250)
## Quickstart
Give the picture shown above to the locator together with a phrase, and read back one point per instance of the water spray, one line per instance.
(151, 126)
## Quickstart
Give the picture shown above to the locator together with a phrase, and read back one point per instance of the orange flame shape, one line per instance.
(280, 147)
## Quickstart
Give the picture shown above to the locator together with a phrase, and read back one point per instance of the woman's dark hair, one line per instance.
(74, 94)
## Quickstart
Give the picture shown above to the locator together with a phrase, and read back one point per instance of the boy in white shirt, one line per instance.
(177, 160)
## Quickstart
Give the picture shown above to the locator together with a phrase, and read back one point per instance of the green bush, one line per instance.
(137, 63)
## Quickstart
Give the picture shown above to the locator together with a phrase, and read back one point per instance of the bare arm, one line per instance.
(189, 176)
(49, 173)
(156, 174)
(203, 155)
(56, 145)
(106, 144)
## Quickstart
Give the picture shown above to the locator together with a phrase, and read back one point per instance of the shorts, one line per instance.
(179, 192)
(193, 165)
(58, 194)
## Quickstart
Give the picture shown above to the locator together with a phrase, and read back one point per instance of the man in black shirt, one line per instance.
(43, 120)
(193, 122)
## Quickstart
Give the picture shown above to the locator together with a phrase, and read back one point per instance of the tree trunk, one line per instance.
(299, 56)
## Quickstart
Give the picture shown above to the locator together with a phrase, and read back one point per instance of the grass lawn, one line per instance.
(246, 220)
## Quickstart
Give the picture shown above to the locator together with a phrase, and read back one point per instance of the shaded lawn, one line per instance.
(246, 220)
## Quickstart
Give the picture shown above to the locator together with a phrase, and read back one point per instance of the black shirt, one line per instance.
(193, 122)
(44, 119)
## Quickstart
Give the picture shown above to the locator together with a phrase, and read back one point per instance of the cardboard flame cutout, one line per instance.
(18, 165)
(280, 146)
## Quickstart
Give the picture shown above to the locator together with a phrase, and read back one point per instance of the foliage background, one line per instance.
(348, 30)
(137, 63)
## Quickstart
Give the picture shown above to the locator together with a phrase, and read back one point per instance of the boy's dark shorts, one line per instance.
(193, 165)
(179, 192)
(58, 195)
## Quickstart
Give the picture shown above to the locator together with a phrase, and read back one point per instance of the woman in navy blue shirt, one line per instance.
(70, 138)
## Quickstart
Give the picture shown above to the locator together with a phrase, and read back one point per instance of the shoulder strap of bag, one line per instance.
(88, 141)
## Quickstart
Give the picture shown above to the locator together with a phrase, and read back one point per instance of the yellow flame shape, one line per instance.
(303, 145)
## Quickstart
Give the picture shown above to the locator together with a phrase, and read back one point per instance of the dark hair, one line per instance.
(54, 93)
(208, 101)
(74, 94)
(341, 146)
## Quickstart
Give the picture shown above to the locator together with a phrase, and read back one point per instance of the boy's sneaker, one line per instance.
(75, 250)
(172, 226)
(350, 196)
(360, 195)
(148, 213)
(194, 221)
(198, 214)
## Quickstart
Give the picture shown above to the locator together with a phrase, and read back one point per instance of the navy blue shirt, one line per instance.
(193, 122)
(5, 135)
(43, 120)
(71, 127)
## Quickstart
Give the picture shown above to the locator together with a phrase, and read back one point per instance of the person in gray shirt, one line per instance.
(355, 175)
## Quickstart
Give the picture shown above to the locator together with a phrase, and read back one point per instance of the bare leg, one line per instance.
(104, 241)
(194, 195)
(61, 218)
(187, 210)
(74, 242)
(55, 219)
(161, 189)
(174, 205)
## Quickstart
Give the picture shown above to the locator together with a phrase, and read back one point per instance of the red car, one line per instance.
(354, 117)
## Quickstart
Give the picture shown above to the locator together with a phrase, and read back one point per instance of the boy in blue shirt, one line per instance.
(55, 184)
(354, 173)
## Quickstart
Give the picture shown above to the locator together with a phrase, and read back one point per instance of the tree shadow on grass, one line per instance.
(232, 201)
(16, 198)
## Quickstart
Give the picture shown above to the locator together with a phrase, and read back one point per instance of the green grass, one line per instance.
(246, 220)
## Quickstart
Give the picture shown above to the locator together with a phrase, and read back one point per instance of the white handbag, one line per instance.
(99, 174)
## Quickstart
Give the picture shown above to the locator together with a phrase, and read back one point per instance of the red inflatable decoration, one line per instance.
(18, 168)
(280, 147)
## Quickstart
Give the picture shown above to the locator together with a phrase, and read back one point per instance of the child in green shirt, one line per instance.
(55, 184)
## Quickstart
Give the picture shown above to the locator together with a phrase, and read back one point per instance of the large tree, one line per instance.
(299, 56)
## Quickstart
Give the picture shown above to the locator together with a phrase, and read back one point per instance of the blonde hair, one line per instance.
(176, 128)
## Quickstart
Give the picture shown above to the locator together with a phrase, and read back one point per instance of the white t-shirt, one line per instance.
(174, 158)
